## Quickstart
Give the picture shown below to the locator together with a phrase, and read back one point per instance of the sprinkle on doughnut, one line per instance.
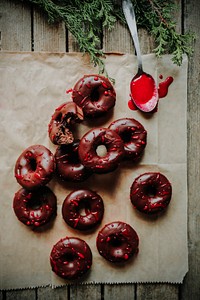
(117, 242)
(133, 135)
(71, 258)
(89, 144)
(94, 94)
(91, 205)
(35, 208)
(34, 167)
(151, 193)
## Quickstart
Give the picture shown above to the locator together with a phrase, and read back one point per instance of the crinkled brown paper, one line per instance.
(32, 85)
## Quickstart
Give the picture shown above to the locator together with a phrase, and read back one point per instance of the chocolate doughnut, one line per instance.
(34, 167)
(151, 193)
(89, 144)
(117, 242)
(93, 207)
(94, 94)
(35, 208)
(68, 165)
(133, 135)
(60, 127)
(71, 258)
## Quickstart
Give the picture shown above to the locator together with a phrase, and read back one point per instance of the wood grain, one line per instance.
(72, 43)
(15, 26)
(157, 291)
(21, 294)
(86, 292)
(48, 37)
(191, 286)
(119, 292)
(60, 293)
(117, 39)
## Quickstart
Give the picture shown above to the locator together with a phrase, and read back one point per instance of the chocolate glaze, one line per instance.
(71, 258)
(93, 207)
(89, 143)
(117, 242)
(94, 94)
(151, 193)
(34, 167)
(134, 136)
(35, 208)
(68, 165)
(60, 126)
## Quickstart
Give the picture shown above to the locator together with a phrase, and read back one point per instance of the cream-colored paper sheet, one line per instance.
(32, 85)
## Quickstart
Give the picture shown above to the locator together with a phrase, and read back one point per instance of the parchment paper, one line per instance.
(32, 85)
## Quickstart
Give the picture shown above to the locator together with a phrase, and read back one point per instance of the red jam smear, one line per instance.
(164, 86)
(131, 105)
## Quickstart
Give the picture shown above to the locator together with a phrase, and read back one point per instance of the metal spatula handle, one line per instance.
(131, 21)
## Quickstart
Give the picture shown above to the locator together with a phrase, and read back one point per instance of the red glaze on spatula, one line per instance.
(144, 92)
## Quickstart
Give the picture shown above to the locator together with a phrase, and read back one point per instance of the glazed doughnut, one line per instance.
(60, 127)
(89, 144)
(71, 258)
(90, 202)
(34, 167)
(94, 94)
(133, 135)
(68, 165)
(151, 193)
(35, 208)
(117, 242)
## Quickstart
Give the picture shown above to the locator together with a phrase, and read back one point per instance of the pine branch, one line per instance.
(86, 20)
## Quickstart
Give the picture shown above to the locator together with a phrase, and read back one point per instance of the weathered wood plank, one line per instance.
(48, 37)
(147, 43)
(1, 295)
(86, 292)
(21, 295)
(157, 291)
(117, 39)
(60, 293)
(191, 287)
(119, 292)
(72, 43)
(15, 26)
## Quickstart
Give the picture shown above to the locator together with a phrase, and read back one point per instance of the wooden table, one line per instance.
(22, 28)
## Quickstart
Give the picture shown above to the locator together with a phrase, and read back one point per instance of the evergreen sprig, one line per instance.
(86, 20)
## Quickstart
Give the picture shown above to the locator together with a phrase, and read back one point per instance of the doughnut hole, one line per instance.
(126, 136)
(32, 166)
(116, 245)
(115, 241)
(34, 203)
(101, 150)
(69, 257)
(84, 208)
(151, 190)
(95, 95)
